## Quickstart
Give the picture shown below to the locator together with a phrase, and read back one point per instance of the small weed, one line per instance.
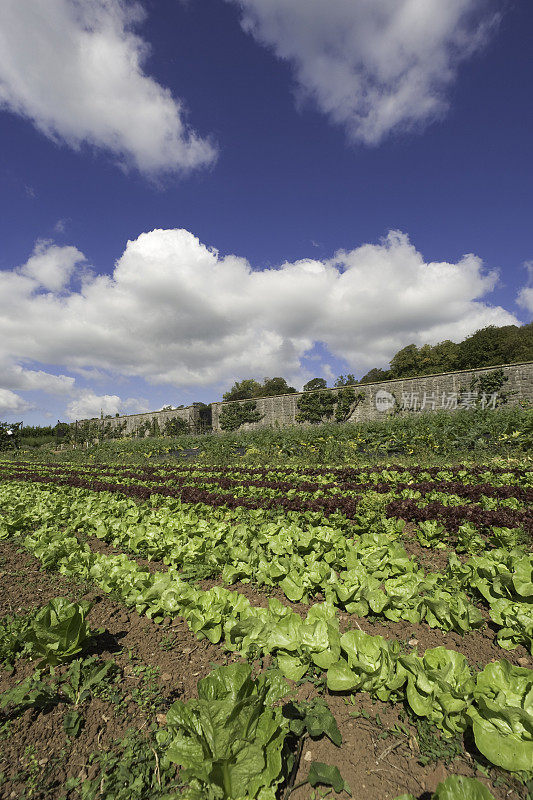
(168, 642)
(433, 748)
(12, 629)
(132, 770)
(147, 694)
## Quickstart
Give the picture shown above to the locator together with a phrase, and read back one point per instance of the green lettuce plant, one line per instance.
(228, 743)
(371, 665)
(457, 787)
(516, 621)
(502, 715)
(299, 643)
(58, 632)
(440, 687)
(431, 533)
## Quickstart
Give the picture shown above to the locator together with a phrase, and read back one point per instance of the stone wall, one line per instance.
(190, 414)
(427, 393)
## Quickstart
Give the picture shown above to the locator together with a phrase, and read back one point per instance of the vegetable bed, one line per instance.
(372, 627)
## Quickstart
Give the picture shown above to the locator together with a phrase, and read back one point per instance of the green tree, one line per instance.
(345, 380)
(405, 362)
(444, 356)
(376, 375)
(243, 390)
(10, 435)
(61, 430)
(274, 386)
(232, 417)
(491, 346)
(314, 384)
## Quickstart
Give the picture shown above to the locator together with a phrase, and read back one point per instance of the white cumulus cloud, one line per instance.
(373, 66)
(525, 295)
(52, 266)
(75, 69)
(12, 403)
(14, 376)
(88, 404)
(176, 312)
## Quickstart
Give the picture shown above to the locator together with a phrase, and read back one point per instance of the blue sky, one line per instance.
(197, 192)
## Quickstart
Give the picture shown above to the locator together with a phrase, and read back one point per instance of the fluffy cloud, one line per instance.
(374, 66)
(176, 312)
(88, 404)
(12, 403)
(525, 296)
(75, 70)
(51, 266)
(13, 376)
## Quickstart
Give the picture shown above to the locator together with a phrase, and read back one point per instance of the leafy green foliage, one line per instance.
(502, 716)
(516, 620)
(249, 388)
(76, 686)
(175, 426)
(73, 723)
(357, 563)
(347, 400)
(12, 644)
(58, 631)
(32, 692)
(232, 417)
(440, 687)
(314, 718)
(345, 380)
(489, 346)
(371, 665)
(229, 740)
(317, 406)
(457, 787)
(434, 748)
(489, 383)
(314, 385)
(83, 677)
(431, 533)
(468, 539)
(9, 435)
(326, 775)
(131, 769)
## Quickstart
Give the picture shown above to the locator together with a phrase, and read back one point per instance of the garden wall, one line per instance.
(190, 414)
(445, 391)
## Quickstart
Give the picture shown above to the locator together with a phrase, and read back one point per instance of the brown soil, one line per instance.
(374, 766)
(379, 768)
(178, 658)
(429, 558)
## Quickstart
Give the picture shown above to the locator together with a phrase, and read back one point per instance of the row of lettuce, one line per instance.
(497, 703)
(395, 475)
(466, 473)
(409, 502)
(448, 491)
(362, 574)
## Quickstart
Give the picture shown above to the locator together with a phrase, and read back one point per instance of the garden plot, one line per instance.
(400, 596)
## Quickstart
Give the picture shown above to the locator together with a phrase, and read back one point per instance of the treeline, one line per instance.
(47, 431)
(249, 388)
(487, 347)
